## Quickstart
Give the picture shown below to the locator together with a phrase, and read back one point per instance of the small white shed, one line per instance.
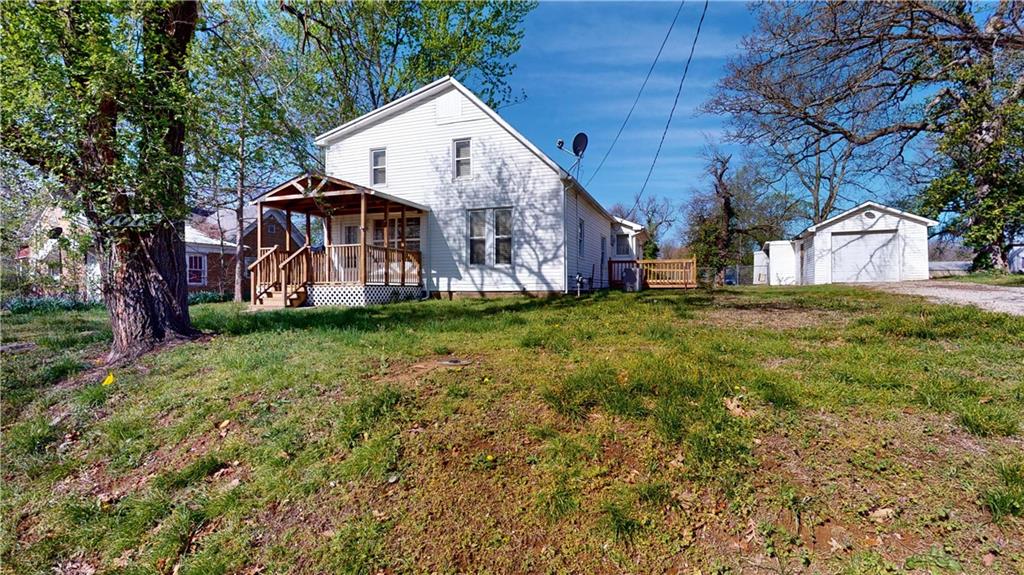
(1016, 259)
(869, 243)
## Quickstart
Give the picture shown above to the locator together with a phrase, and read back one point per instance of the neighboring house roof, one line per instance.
(431, 90)
(196, 237)
(628, 224)
(221, 223)
(864, 206)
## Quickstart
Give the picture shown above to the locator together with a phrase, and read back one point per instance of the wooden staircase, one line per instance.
(274, 297)
(274, 269)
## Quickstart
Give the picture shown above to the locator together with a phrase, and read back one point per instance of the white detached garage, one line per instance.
(869, 243)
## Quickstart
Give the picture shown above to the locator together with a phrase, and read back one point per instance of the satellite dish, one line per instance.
(579, 144)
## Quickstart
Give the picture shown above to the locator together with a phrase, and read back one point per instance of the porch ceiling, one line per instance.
(323, 196)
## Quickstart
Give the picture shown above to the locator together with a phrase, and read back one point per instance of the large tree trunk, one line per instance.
(147, 292)
(145, 285)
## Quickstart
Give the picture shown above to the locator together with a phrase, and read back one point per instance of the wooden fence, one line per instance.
(680, 273)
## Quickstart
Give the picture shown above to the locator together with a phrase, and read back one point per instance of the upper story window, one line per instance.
(378, 167)
(622, 244)
(463, 160)
(271, 228)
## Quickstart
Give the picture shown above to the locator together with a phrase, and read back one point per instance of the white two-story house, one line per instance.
(436, 193)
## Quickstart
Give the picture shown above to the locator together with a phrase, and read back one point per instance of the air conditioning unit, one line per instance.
(633, 279)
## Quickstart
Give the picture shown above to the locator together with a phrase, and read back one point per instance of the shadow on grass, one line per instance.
(469, 315)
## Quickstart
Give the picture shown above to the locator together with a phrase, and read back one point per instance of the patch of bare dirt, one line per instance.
(774, 318)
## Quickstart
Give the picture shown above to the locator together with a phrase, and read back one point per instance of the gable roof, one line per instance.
(433, 89)
(221, 223)
(864, 206)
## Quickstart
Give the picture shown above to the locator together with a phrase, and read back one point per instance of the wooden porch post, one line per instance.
(288, 231)
(387, 244)
(362, 238)
(259, 228)
(401, 230)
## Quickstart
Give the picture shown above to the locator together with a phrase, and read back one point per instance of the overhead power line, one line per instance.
(672, 112)
(642, 86)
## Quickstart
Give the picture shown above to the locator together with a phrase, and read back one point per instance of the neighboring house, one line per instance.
(218, 225)
(59, 252)
(485, 210)
(869, 243)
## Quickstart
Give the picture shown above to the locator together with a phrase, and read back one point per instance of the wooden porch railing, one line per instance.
(392, 266)
(678, 273)
(263, 273)
(295, 271)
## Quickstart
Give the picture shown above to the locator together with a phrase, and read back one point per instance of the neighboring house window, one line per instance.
(197, 270)
(478, 237)
(622, 244)
(503, 236)
(351, 235)
(463, 162)
(379, 167)
(579, 239)
(271, 228)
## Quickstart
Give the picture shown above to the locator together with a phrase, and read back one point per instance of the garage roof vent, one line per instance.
(869, 215)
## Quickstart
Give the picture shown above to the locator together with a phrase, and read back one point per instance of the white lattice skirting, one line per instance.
(359, 296)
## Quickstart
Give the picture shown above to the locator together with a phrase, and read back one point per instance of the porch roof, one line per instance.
(322, 195)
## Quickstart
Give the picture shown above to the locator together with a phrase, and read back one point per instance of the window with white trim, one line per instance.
(463, 158)
(412, 233)
(197, 269)
(271, 228)
(378, 167)
(503, 236)
(478, 237)
(622, 244)
(490, 236)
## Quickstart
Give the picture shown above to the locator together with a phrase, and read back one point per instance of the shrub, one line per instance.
(208, 297)
(30, 304)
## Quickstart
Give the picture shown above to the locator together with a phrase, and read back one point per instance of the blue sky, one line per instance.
(581, 65)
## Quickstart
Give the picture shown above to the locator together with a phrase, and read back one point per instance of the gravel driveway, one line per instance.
(993, 298)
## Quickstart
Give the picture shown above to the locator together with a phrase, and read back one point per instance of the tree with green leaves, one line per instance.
(243, 137)
(740, 212)
(372, 53)
(95, 96)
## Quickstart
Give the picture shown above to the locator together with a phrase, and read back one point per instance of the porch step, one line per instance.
(274, 299)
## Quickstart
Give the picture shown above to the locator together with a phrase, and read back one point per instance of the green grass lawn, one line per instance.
(820, 429)
(989, 279)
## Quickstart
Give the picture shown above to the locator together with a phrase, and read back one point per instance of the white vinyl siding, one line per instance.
(421, 168)
(583, 255)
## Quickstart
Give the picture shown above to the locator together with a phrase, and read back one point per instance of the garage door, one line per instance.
(865, 257)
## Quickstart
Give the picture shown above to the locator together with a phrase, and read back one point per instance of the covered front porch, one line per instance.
(370, 252)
